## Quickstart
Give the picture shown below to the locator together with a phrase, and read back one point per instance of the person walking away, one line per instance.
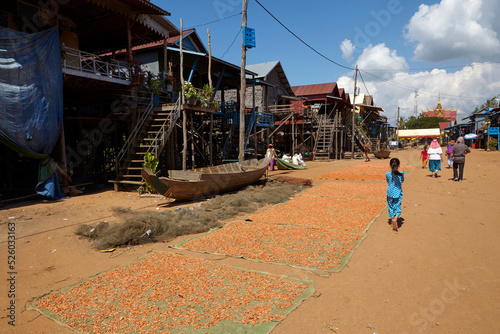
(435, 157)
(458, 153)
(448, 152)
(366, 147)
(271, 153)
(394, 194)
(424, 156)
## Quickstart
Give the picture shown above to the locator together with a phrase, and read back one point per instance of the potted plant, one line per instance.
(169, 83)
(190, 93)
(206, 94)
(137, 73)
(493, 144)
(155, 86)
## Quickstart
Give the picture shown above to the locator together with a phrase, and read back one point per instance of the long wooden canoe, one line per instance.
(187, 185)
(282, 164)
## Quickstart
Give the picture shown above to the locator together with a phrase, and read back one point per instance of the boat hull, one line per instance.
(282, 164)
(382, 154)
(187, 185)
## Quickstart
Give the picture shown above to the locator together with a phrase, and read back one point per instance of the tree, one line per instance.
(491, 103)
(422, 122)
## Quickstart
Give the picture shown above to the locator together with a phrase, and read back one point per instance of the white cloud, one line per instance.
(462, 90)
(382, 58)
(347, 49)
(466, 29)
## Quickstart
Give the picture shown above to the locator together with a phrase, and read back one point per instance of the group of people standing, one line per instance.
(455, 151)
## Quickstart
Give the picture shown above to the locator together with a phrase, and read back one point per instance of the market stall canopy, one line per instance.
(419, 133)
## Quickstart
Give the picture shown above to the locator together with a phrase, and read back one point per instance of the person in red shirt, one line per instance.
(423, 156)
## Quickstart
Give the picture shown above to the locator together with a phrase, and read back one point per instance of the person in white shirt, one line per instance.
(435, 154)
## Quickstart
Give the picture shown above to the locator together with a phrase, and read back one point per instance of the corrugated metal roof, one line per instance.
(317, 89)
(262, 69)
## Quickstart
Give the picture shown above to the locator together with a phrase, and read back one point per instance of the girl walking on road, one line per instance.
(394, 192)
(435, 157)
(423, 157)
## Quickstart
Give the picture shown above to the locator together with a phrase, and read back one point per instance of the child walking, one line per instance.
(394, 192)
(423, 157)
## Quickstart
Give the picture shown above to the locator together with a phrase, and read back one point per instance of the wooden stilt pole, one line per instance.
(184, 117)
(210, 84)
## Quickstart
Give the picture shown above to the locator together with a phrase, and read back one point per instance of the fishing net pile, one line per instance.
(140, 227)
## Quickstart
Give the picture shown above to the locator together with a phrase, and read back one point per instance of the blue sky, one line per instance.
(446, 48)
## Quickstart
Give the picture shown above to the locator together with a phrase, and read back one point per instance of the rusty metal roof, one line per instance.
(317, 89)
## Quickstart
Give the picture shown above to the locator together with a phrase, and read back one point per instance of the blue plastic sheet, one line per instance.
(31, 92)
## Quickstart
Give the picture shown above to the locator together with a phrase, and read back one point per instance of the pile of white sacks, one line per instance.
(296, 159)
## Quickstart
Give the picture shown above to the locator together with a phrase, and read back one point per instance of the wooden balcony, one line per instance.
(88, 65)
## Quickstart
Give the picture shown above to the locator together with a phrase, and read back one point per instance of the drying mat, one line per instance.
(368, 190)
(353, 177)
(284, 244)
(170, 293)
(326, 213)
(361, 173)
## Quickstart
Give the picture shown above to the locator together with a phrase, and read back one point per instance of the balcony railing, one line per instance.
(89, 63)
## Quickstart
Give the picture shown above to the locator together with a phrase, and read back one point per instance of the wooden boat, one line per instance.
(187, 185)
(282, 164)
(382, 154)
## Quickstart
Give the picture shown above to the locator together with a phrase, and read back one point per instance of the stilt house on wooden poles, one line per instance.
(98, 103)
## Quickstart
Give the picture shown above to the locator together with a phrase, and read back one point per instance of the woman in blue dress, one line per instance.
(395, 180)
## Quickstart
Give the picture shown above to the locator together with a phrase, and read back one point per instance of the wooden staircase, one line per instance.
(151, 133)
(324, 138)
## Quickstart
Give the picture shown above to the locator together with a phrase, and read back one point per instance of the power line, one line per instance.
(224, 18)
(303, 42)
(412, 89)
(364, 83)
(433, 68)
(234, 40)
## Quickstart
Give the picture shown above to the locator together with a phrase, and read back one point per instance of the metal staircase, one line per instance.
(150, 134)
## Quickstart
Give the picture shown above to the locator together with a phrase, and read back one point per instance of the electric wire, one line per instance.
(224, 18)
(234, 40)
(301, 40)
(421, 91)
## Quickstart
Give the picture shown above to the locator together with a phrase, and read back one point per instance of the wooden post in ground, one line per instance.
(210, 84)
(184, 117)
(243, 87)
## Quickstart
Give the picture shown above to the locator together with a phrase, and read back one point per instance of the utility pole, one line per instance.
(397, 131)
(243, 86)
(354, 112)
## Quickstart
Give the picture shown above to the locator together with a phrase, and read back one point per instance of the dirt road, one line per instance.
(438, 274)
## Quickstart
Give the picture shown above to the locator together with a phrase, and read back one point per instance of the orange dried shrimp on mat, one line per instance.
(172, 293)
(323, 212)
(292, 245)
(375, 190)
(355, 177)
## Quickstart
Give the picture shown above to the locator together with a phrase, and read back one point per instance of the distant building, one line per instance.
(449, 114)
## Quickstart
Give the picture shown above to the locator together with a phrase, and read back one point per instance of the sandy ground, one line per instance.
(438, 274)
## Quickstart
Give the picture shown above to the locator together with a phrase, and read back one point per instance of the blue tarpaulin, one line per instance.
(31, 97)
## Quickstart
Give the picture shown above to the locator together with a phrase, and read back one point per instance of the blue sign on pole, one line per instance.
(493, 130)
(249, 40)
